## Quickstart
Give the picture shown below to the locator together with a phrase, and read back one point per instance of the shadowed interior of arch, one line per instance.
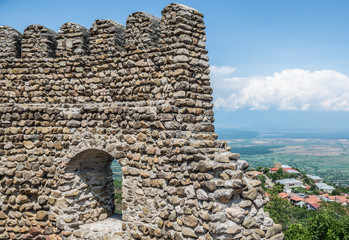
(92, 189)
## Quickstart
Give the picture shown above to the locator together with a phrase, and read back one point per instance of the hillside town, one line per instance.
(299, 188)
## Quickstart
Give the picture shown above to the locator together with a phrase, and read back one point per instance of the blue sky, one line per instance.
(270, 59)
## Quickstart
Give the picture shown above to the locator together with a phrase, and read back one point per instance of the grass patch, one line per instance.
(252, 150)
(118, 196)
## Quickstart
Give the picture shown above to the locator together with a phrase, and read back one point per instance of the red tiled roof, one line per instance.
(274, 169)
(307, 187)
(342, 199)
(315, 205)
(313, 201)
(283, 195)
(297, 199)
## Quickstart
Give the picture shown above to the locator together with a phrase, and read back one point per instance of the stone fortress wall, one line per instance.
(72, 101)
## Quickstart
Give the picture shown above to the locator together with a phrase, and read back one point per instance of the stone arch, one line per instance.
(89, 140)
(87, 189)
(93, 183)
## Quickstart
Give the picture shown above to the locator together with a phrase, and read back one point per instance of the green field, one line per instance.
(327, 158)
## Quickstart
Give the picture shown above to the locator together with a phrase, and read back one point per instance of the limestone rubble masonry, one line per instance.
(72, 101)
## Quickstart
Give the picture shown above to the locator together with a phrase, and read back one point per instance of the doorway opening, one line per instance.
(94, 192)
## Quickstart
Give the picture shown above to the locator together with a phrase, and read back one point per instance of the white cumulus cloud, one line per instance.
(291, 89)
(221, 71)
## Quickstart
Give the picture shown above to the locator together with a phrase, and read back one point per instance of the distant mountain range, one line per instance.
(230, 133)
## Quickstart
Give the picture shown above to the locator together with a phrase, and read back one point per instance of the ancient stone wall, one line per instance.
(72, 101)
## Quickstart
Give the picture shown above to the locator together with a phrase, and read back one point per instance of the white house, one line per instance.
(315, 178)
(290, 182)
(324, 187)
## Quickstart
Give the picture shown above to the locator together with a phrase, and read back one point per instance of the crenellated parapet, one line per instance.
(179, 24)
(72, 39)
(107, 36)
(142, 31)
(38, 42)
(10, 42)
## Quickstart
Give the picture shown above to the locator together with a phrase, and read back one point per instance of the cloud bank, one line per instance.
(291, 89)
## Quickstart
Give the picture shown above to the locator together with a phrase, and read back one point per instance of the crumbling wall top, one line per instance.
(142, 31)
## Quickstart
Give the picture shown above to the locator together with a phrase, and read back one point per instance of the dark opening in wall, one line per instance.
(90, 193)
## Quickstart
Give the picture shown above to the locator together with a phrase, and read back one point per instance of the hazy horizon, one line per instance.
(282, 120)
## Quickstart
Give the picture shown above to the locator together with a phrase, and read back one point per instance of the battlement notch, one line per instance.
(10, 42)
(107, 36)
(38, 42)
(142, 31)
(72, 39)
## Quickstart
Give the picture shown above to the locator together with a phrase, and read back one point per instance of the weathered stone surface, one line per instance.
(245, 203)
(236, 214)
(201, 194)
(190, 221)
(3, 215)
(28, 144)
(250, 223)
(222, 159)
(21, 199)
(272, 231)
(223, 195)
(255, 183)
(251, 194)
(188, 232)
(34, 231)
(279, 236)
(190, 192)
(41, 216)
(259, 232)
(233, 229)
(204, 166)
(73, 102)
(218, 217)
(130, 139)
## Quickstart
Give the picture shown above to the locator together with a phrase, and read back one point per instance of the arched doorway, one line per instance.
(89, 194)
(93, 185)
